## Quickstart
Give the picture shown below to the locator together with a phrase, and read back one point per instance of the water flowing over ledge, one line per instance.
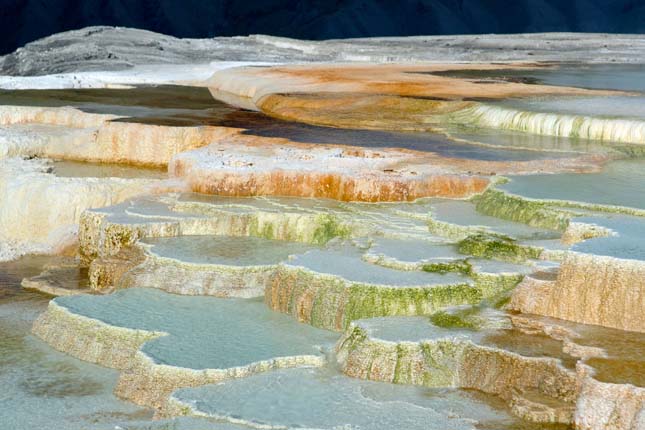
(344, 151)
(610, 130)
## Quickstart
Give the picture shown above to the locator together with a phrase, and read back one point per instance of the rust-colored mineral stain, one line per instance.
(407, 80)
(341, 187)
(374, 96)
(248, 165)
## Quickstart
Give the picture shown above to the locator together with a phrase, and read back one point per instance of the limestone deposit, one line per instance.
(72, 134)
(149, 374)
(589, 289)
(537, 389)
(352, 94)
(40, 212)
(276, 167)
(461, 219)
(450, 361)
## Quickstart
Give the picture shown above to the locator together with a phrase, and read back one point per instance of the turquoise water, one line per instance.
(620, 183)
(516, 139)
(43, 388)
(346, 262)
(413, 251)
(323, 399)
(46, 389)
(411, 329)
(225, 250)
(623, 77)
(600, 76)
(628, 107)
(493, 329)
(627, 242)
(420, 251)
(204, 332)
(463, 213)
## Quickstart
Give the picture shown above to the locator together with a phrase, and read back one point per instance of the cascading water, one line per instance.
(565, 124)
(413, 292)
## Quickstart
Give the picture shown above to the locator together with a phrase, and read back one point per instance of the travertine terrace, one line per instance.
(379, 233)
(413, 97)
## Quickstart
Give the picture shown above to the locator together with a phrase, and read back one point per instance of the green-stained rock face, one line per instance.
(461, 266)
(219, 286)
(498, 247)
(513, 208)
(457, 351)
(495, 285)
(103, 232)
(332, 302)
(371, 301)
(329, 227)
(462, 320)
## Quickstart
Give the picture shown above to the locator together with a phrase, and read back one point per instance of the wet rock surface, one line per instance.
(469, 241)
(277, 400)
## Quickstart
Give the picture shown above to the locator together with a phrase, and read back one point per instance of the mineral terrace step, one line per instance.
(162, 341)
(331, 287)
(284, 399)
(222, 266)
(61, 281)
(493, 359)
(620, 183)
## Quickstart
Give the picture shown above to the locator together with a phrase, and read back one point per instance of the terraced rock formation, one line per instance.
(95, 127)
(492, 355)
(422, 98)
(35, 219)
(117, 331)
(599, 280)
(353, 402)
(324, 297)
(447, 357)
(105, 232)
(276, 167)
(472, 232)
(589, 289)
(62, 278)
(222, 266)
(405, 97)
